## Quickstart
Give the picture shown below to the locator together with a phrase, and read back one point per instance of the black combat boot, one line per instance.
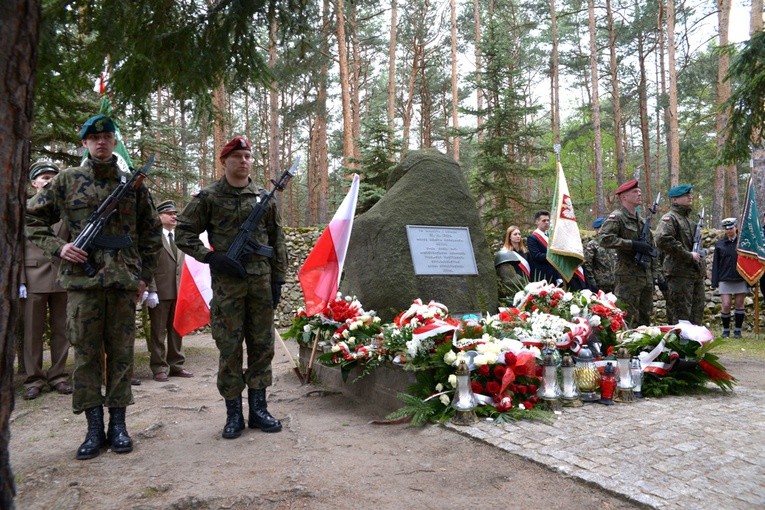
(95, 439)
(234, 418)
(260, 418)
(117, 433)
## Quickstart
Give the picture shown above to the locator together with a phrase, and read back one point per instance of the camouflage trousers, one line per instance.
(242, 309)
(636, 291)
(685, 299)
(101, 321)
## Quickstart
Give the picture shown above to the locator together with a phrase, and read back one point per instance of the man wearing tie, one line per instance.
(161, 299)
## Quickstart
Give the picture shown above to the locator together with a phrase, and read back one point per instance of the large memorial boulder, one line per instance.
(427, 189)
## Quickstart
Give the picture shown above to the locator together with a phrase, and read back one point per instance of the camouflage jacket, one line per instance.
(72, 196)
(618, 231)
(674, 237)
(600, 264)
(220, 209)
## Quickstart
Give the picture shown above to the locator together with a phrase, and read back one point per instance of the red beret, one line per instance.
(238, 143)
(626, 186)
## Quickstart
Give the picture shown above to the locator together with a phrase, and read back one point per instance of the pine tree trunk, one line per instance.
(645, 136)
(455, 89)
(600, 203)
(355, 82)
(724, 204)
(345, 93)
(273, 102)
(554, 69)
(19, 32)
(392, 71)
(758, 154)
(674, 136)
(220, 127)
(620, 157)
(478, 71)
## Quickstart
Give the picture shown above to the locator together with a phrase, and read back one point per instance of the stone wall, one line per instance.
(301, 240)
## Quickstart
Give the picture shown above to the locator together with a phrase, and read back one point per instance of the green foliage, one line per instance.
(378, 147)
(510, 140)
(421, 411)
(747, 99)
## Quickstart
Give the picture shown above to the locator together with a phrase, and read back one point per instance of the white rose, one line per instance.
(307, 328)
(439, 387)
(575, 310)
(352, 340)
(594, 320)
(450, 357)
(354, 326)
(346, 333)
(335, 348)
(482, 359)
(444, 399)
(452, 380)
(568, 296)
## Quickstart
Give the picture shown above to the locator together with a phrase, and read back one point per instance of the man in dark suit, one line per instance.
(541, 269)
(44, 295)
(161, 299)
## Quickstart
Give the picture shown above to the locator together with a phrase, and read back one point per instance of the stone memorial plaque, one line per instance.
(441, 250)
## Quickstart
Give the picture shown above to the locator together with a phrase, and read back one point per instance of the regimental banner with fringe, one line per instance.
(751, 244)
(564, 251)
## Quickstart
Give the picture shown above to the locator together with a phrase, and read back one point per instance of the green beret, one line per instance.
(97, 124)
(679, 190)
(40, 167)
(167, 206)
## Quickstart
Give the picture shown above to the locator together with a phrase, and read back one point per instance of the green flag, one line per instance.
(751, 244)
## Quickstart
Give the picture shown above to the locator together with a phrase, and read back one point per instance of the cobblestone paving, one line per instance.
(701, 452)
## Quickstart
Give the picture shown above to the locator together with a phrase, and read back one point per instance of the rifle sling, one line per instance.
(258, 249)
(112, 242)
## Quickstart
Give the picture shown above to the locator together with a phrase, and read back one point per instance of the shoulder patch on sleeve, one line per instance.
(665, 218)
(611, 216)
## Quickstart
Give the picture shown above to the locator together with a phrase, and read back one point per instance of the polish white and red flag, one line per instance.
(192, 309)
(320, 274)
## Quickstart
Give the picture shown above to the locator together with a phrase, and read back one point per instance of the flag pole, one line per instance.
(295, 365)
(756, 313)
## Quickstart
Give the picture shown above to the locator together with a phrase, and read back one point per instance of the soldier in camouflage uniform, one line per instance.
(100, 309)
(621, 232)
(684, 269)
(244, 295)
(599, 262)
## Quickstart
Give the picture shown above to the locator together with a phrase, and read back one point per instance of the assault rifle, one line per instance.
(644, 259)
(698, 247)
(91, 237)
(243, 244)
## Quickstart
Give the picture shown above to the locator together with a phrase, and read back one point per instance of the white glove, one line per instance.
(22, 291)
(145, 295)
(152, 300)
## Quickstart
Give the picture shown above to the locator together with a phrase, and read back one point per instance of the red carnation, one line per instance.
(510, 359)
(521, 389)
(484, 370)
(528, 405)
(476, 387)
(533, 388)
(543, 293)
(499, 372)
(504, 405)
(554, 303)
(492, 387)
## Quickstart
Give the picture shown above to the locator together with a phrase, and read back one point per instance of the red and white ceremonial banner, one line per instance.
(192, 309)
(320, 275)
(564, 251)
